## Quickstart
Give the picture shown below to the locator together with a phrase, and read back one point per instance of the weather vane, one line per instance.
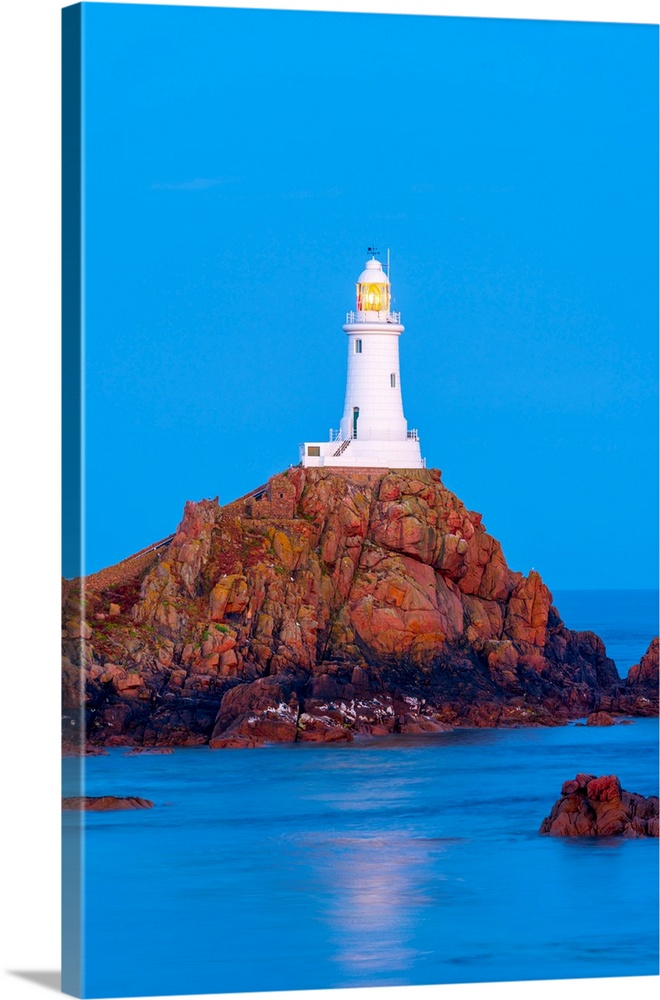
(373, 250)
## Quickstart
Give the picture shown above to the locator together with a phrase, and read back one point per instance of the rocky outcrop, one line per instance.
(644, 676)
(599, 807)
(367, 601)
(105, 803)
(638, 693)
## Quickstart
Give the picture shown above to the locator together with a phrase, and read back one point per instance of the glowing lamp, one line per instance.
(373, 297)
(373, 289)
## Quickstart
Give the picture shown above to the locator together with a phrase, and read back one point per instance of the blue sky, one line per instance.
(238, 163)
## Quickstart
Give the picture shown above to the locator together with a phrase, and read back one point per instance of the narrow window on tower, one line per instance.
(393, 380)
(358, 347)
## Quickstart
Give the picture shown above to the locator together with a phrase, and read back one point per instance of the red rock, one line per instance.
(252, 714)
(598, 807)
(105, 803)
(527, 612)
(417, 724)
(645, 673)
(502, 659)
(370, 585)
(322, 729)
(254, 731)
(600, 719)
(604, 789)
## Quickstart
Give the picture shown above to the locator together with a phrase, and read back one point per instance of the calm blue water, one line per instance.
(405, 860)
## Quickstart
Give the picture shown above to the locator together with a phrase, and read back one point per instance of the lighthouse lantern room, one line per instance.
(373, 432)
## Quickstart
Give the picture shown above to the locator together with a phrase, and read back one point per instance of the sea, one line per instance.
(403, 860)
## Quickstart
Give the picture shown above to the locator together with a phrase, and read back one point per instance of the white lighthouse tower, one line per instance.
(373, 432)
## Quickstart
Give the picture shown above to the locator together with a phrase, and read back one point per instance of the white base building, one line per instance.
(373, 432)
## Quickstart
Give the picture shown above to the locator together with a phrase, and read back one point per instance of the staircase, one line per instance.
(342, 448)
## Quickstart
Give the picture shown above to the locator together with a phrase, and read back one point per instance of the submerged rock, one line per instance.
(599, 807)
(327, 604)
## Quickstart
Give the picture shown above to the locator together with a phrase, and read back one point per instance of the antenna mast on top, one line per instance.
(374, 250)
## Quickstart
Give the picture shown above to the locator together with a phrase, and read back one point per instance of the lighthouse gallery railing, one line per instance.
(361, 317)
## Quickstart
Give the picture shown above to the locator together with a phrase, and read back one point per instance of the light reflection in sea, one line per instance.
(376, 886)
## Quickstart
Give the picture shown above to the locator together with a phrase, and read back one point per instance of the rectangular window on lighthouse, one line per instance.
(393, 380)
(358, 347)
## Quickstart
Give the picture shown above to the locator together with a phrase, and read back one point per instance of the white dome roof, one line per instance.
(373, 274)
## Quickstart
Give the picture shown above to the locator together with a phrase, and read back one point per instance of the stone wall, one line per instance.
(278, 501)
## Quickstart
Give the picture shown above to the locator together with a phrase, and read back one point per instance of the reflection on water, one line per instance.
(376, 887)
(396, 862)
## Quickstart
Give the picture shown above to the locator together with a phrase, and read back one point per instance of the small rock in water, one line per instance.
(599, 807)
(600, 719)
(104, 803)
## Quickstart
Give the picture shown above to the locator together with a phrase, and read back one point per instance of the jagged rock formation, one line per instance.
(326, 604)
(638, 693)
(645, 673)
(599, 807)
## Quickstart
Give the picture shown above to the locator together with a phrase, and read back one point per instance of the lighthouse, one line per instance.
(373, 432)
